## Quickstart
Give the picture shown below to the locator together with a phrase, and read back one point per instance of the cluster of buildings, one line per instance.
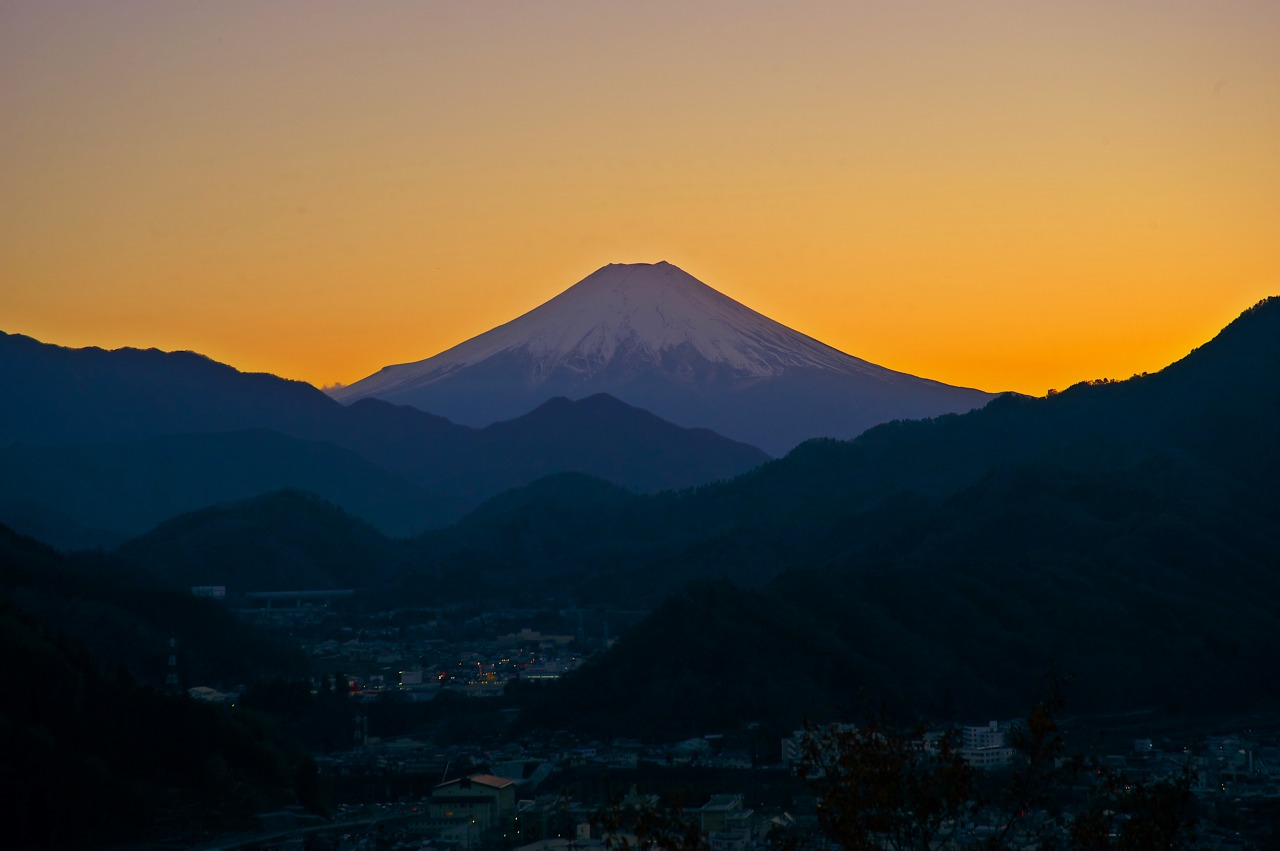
(507, 802)
(988, 747)
(1237, 768)
(422, 659)
(488, 810)
(501, 799)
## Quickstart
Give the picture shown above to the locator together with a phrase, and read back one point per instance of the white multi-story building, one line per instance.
(987, 747)
(990, 736)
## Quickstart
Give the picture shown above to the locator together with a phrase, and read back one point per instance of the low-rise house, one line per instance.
(481, 799)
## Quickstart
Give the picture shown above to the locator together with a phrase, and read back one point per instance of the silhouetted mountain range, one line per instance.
(1123, 530)
(1126, 531)
(116, 441)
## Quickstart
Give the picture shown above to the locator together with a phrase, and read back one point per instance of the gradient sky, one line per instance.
(1007, 195)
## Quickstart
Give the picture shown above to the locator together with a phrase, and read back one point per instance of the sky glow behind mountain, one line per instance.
(1005, 195)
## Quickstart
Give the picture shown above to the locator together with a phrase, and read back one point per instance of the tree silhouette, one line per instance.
(884, 788)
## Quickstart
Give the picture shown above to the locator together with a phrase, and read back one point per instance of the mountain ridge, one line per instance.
(277, 541)
(173, 414)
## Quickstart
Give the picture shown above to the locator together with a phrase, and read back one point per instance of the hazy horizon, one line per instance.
(999, 195)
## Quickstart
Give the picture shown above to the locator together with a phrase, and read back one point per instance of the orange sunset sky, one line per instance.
(1007, 195)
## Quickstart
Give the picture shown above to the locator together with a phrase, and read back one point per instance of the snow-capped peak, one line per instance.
(642, 310)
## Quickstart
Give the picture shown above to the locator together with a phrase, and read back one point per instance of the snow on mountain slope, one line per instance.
(658, 338)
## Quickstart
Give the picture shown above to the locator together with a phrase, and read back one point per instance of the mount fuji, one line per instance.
(657, 338)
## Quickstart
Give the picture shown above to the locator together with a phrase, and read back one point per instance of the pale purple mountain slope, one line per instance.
(658, 338)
